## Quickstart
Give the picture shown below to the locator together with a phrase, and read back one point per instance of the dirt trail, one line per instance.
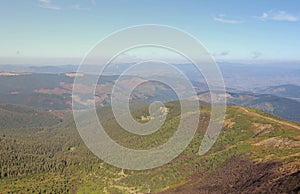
(271, 119)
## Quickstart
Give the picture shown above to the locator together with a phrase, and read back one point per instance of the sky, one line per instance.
(46, 32)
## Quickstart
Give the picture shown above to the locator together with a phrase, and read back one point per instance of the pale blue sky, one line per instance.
(62, 31)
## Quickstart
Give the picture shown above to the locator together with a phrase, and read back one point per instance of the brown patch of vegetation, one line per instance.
(229, 123)
(242, 175)
(278, 142)
(259, 128)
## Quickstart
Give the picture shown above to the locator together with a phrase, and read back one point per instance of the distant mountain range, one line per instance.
(245, 77)
(54, 91)
(288, 91)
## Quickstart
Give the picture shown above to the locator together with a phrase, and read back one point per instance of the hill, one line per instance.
(252, 144)
(17, 116)
(267, 167)
(280, 106)
(38, 100)
(287, 91)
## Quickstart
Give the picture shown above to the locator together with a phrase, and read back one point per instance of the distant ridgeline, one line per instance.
(54, 92)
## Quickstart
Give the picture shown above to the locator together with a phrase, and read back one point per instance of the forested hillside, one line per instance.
(55, 160)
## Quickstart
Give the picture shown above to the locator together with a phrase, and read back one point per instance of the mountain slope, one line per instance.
(269, 167)
(251, 141)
